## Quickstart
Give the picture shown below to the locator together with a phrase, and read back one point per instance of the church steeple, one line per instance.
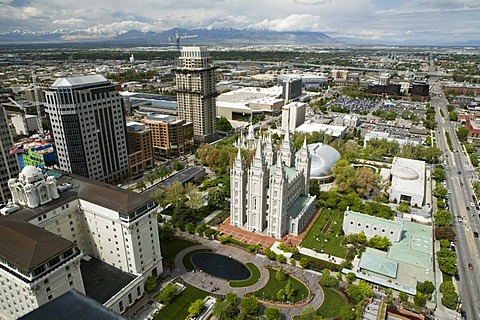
(287, 150)
(302, 163)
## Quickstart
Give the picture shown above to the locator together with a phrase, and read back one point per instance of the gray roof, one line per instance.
(79, 81)
(378, 264)
(72, 306)
(323, 159)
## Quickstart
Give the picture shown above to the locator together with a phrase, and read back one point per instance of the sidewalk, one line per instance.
(207, 282)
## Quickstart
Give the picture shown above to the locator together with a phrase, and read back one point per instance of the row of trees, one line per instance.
(379, 149)
(362, 180)
(229, 308)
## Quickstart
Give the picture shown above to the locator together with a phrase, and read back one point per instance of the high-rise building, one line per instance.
(170, 136)
(8, 162)
(195, 86)
(88, 126)
(293, 115)
(140, 152)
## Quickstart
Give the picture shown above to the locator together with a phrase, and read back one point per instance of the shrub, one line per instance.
(281, 258)
(150, 284)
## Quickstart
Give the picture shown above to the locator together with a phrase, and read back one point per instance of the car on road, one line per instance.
(459, 172)
(475, 234)
(457, 276)
(449, 191)
(470, 266)
(468, 208)
(472, 204)
(461, 184)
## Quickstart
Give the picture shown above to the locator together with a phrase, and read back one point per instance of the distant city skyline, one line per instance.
(403, 22)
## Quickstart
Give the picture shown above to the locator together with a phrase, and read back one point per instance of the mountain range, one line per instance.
(224, 36)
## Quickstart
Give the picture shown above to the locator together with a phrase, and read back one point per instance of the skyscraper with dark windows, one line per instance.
(87, 122)
(8, 163)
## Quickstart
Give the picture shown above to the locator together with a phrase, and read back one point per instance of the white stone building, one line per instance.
(354, 223)
(272, 195)
(407, 178)
(86, 219)
(293, 115)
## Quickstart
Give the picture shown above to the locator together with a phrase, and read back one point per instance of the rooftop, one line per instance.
(79, 81)
(102, 281)
(73, 306)
(372, 261)
(408, 176)
(27, 246)
(415, 247)
(372, 219)
(297, 206)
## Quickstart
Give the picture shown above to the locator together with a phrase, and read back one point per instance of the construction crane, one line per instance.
(37, 105)
(178, 37)
(23, 112)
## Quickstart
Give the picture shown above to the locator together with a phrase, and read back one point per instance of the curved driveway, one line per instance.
(207, 282)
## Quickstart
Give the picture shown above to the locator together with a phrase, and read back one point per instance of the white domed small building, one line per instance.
(32, 188)
(323, 160)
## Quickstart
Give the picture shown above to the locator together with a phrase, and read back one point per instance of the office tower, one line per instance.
(195, 86)
(9, 164)
(88, 126)
(293, 115)
(170, 136)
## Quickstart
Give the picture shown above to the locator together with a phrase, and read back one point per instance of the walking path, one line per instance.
(207, 282)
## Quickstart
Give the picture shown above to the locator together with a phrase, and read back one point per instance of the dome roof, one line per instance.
(405, 173)
(323, 159)
(30, 171)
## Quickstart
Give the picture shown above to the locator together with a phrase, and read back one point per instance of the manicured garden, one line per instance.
(274, 286)
(254, 277)
(187, 259)
(178, 308)
(170, 248)
(332, 303)
(329, 241)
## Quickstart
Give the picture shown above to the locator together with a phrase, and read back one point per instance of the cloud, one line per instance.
(311, 2)
(71, 21)
(294, 22)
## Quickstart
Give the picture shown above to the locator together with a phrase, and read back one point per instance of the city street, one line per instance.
(459, 173)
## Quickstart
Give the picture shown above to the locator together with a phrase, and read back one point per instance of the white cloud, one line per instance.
(294, 22)
(311, 2)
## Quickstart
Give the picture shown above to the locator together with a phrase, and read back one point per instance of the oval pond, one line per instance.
(220, 266)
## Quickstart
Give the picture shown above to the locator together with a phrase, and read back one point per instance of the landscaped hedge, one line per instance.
(317, 264)
(243, 245)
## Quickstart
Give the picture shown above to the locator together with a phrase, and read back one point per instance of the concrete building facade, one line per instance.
(8, 162)
(88, 126)
(195, 87)
(293, 115)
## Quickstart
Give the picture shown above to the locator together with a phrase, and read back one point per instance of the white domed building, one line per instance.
(407, 178)
(32, 188)
(323, 160)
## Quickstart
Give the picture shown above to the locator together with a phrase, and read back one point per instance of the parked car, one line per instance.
(475, 234)
(470, 266)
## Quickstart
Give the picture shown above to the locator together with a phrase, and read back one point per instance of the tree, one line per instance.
(280, 275)
(439, 173)
(281, 258)
(249, 305)
(355, 293)
(196, 308)
(190, 227)
(445, 232)
(272, 313)
(216, 197)
(308, 313)
(403, 296)
(270, 254)
(403, 207)
(450, 299)
(367, 291)
(350, 277)
(303, 262)
(419, 299)
(150, 284)
(328, 280)
(140, 185)
(439, 191)
(426, 287)
(462, 134)
(378, 242)
(182, 215)
(167, 294)
(150, 177)
(366, 180)
(442, 217)
(344, 176)
(223, 124)
(346, 313)
(174, 193)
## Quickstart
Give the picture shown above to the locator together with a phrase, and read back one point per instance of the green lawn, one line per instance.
(172, 247)
(335, 240)
(332, 303)
(254, 277)
(178, 308)
(187, 259)
(269, 292)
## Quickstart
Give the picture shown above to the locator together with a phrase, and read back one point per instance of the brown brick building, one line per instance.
(140, 151)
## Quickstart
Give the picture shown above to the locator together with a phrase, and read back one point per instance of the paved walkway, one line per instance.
(207, 282)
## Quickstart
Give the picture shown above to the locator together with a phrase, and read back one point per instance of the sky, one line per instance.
(351, 21)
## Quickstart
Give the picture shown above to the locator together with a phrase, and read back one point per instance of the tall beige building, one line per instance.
(195, 86)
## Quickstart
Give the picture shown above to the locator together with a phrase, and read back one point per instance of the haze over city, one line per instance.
(403, 22)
